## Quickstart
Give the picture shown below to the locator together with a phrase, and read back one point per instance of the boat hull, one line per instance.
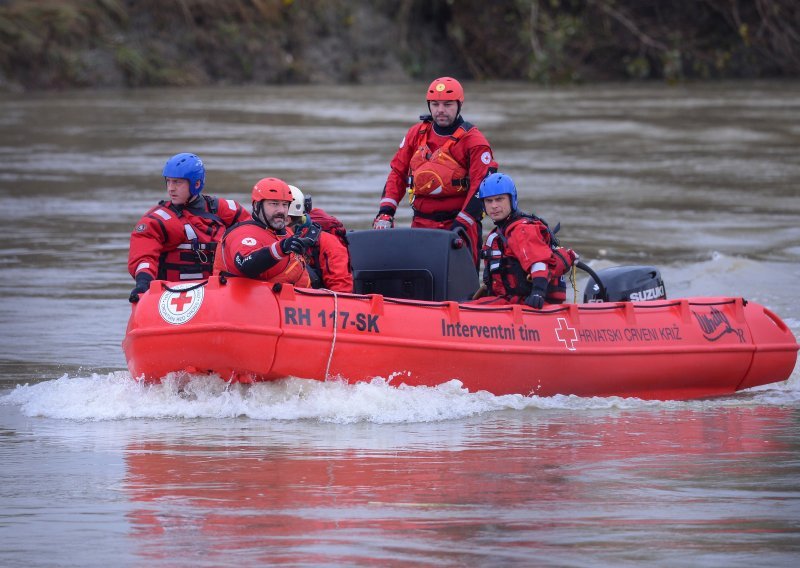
(247, 331)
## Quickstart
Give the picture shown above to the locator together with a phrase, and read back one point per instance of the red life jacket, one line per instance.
(329, 264)
(189, 236)
(321, 275)
(503, 273)
(248, 236)
(438, 173)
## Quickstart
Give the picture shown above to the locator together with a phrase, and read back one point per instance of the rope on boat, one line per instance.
(189, 289)
(574, 284)
(335, 330)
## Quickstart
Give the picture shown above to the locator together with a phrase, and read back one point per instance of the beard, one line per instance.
(276, 222)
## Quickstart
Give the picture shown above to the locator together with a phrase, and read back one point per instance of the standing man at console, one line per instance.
(441, 162)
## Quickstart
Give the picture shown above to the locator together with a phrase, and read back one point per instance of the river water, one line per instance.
(702, 181)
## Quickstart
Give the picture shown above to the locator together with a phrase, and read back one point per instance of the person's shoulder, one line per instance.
(225, 203)
(425, 122)
(524, 226)
(159, 211)
(515, 222)
(250, 233)
(473, 136)
(328, 240)
(241, 228)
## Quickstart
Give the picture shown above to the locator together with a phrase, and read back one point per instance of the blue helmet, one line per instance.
(189, 167)
(499, 184)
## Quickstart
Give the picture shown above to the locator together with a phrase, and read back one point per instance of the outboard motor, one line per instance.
(625, 284)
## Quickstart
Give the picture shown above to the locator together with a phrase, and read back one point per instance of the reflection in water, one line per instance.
(513, 488)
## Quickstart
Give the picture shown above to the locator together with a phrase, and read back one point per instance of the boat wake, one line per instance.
(382, 401)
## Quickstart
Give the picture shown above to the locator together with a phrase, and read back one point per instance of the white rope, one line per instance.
(335, 331)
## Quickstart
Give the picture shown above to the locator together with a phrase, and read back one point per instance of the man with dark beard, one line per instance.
(266, 248)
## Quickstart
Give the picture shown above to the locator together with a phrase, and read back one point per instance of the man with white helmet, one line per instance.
(328, 259)
(177, 239)
(265, 248)
(441, 162)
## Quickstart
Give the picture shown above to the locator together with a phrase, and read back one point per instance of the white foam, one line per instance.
(117, 396)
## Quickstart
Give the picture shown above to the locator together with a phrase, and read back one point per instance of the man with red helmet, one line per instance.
(265, 248)
(177, 239)
(328, 259)
(441, 161)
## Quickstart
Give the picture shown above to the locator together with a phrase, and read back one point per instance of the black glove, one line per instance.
(295, 244)
(536, 298)
(142, 285)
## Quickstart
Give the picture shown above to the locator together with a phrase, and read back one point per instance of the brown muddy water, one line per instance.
(702, 181)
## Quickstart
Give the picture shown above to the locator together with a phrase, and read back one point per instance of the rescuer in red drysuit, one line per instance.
(441, 161)
(523, 263)
(265, 248)
(177, 239)
(328, 260)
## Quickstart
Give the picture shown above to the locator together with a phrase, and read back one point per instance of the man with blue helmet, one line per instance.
(523, 262)
(177, 239)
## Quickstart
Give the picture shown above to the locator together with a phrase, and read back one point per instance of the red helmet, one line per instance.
(272, 189)
(446, 89)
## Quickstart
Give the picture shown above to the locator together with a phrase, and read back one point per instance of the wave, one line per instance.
(116, 396)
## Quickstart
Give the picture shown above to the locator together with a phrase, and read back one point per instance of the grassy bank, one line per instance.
(46, 44)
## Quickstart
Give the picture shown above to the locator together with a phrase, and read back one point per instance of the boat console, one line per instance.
(415, 264)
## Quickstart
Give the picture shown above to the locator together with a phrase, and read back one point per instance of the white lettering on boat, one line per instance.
(649, 294)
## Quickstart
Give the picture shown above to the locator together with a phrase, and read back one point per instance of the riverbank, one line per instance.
(59, 44)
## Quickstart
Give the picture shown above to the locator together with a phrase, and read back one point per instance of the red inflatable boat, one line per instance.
(246, 331)
(668, 349)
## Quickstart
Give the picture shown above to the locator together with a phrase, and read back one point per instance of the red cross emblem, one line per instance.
(180, 301)
(180, 304)
(570, 336)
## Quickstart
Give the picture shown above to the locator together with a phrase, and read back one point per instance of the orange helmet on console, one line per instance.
(446, 89)
(271, 189)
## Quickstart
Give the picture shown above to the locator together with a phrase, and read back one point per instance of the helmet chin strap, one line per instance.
(258, 211)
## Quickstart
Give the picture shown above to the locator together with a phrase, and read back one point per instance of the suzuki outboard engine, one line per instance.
(625, 284)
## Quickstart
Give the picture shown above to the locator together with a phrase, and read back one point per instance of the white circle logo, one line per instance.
(248, 241)
(180, 304)
(486, 158)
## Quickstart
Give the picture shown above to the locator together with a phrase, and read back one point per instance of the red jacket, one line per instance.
(515, 253)
(253, 250)
(471, 152)
(179, 243)
(331, 259)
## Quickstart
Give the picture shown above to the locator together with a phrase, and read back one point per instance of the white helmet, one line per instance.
(297, 207)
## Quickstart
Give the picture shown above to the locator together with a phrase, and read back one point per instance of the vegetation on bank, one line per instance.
(47, 44)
